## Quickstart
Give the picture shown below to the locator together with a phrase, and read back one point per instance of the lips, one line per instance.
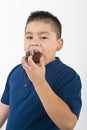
(36, 55)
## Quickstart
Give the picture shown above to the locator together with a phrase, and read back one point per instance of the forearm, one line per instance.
(55, 107)
(3, 113)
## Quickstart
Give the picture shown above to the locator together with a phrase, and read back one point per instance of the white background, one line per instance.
(73, 16)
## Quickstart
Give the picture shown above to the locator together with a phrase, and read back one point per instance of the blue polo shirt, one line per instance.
(26, 112)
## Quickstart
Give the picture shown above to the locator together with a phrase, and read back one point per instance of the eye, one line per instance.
(29, 37)
(44, 37)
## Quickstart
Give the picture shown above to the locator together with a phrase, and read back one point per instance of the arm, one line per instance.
(3, 113)
(56, 108)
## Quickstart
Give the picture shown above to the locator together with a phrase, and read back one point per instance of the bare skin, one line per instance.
(3, 113)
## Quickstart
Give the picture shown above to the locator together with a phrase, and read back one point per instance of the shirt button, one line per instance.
(25, 85)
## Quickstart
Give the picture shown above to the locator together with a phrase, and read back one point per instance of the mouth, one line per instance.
(36, 55)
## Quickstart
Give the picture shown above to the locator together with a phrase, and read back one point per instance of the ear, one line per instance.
(59, 44)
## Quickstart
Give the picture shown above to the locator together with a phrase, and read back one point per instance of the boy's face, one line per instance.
(40, 36)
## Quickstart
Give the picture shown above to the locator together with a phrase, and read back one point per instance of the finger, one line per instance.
(31, 62)
(23, 60)
(42, 61)
(25, 63)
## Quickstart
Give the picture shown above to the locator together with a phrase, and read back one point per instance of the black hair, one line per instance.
(46, 17)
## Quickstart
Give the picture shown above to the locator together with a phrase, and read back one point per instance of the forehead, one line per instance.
(39, 26)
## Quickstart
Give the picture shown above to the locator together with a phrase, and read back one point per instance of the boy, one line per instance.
(44, 95)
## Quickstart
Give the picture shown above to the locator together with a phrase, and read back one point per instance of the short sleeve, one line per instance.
(5, 96)
(71, 94)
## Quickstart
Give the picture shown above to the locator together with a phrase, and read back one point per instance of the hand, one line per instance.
(35, 72)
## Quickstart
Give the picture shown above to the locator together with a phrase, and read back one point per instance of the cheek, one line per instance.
(47, 52)
(25, 47)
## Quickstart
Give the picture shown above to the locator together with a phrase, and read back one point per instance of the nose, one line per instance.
(35, 43)
(35, 46)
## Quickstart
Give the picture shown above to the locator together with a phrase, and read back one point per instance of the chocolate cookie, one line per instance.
(36, 55)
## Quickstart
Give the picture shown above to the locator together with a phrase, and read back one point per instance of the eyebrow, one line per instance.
(40, 33)
(28, 33)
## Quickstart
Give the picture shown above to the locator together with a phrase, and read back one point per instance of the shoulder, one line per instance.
(68, 74)
(68, 70)
(16, 70)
